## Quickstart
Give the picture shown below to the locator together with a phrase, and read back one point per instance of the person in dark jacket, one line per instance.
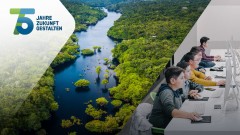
(190, 89)
(168, 100)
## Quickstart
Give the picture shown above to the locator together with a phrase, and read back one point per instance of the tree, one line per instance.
(106, 76)
(54, 106)
(87, 52)
(110, 124)
(99, 48)
(98, 70)
(106, 61)
(124, 114)
(107, 71)
(116, 103)
(72, 133)
(82, 83)
(70, 122)
(105, 82)
(66, 123)
(95, 126)
(95, 113)
(41, 132)
(74, 38)
(102, 101)
(75, 120)
(95, 48)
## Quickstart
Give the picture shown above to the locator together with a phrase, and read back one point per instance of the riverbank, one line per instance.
(72, 102)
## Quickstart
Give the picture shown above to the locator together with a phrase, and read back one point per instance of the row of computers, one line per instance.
(231, 98)
(231, 92)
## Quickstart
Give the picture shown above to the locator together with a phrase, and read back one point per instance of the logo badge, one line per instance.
(22, 19)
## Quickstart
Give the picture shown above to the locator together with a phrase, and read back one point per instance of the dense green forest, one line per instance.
(100, 3)
(83, 14)
(40, 102)
(150, 31)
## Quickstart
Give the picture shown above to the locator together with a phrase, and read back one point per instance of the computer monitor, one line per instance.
(228, 87)
(233, 61)
(237, 58)
(228, 80)
(228, 53)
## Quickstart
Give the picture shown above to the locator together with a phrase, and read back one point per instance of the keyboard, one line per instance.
(220, 76)
(199, 108)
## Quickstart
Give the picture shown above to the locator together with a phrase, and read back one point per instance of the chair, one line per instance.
(157, 131)
(153, 95)
(140, 124)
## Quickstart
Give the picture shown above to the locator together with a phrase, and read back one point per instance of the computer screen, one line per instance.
(228, 79)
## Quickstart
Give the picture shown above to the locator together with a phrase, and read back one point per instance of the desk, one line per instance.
(222, 122)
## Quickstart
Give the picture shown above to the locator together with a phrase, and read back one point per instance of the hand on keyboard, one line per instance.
(198, 118)
(193, 115)
(221, 82)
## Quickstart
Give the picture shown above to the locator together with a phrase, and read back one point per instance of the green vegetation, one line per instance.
(35, 108)
(97, 48)
(106, 61)
(95, 113)
(74, 38)
(98, 70)
(106, 76)
(101, 3)
(82, 83)
(72, 133)
(109, 125)
(112, 66)
(68, 53)
(66, 123)
(87, 52)
(83, 14)
(124, 114)
(105, 82)
(95, 126)
(40, 102)
(116, 103)
(102, 101)
(150, 32)
(71, 122)
(76, 120)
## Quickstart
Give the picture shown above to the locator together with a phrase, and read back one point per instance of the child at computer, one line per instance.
(207, 61)
(197, 50)
(193, 60)
(168, 100)
(190, 89)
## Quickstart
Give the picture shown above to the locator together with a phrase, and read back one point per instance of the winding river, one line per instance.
(71, 103)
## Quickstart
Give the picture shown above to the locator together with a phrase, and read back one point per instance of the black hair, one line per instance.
(195, 49)
(172, 72)
(183, 64)
(204, 40)
(189, 56)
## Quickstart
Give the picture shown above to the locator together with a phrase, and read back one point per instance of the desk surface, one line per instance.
(222, 122)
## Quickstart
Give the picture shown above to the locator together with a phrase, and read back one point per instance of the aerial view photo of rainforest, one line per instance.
(107, 66)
